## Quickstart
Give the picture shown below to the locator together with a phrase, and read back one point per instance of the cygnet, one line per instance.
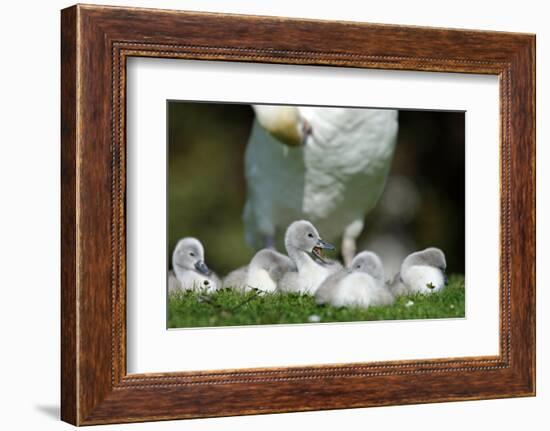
(360, 285)
(305, 248)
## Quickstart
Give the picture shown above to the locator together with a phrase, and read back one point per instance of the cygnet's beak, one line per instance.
(201, 267)
(318, 249)
(324, 244)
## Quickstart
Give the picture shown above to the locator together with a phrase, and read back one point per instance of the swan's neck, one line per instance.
(283, 122)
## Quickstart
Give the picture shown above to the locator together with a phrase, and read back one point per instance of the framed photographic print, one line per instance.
(316, 215)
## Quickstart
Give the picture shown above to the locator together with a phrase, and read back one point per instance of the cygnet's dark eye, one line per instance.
(357, 266)
(310, 235)
(206, 282)
(192, 254)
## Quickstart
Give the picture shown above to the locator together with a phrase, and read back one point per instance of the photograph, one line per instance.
(286, 214)
(278, 211)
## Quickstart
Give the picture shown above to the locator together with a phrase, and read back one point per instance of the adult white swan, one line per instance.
(326, 165)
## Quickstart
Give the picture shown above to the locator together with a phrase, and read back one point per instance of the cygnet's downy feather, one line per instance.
(421, 272)
(263, 273)
(360, 285)
(236, 279)
(266, 270)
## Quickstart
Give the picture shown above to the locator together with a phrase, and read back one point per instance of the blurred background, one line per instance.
(422, 204)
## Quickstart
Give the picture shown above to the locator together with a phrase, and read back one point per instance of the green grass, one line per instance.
(228, 307)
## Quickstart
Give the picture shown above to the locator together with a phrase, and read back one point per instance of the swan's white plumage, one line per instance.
(333, 180)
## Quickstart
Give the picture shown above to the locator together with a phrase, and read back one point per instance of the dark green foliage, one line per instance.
(229, 308)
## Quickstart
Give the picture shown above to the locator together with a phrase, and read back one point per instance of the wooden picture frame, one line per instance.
(95, 43)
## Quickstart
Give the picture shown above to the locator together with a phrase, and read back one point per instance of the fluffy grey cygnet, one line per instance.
(305, 248)
(264, 272)
(236, 279)
(189, 269)
(360, 285)
(421, 272)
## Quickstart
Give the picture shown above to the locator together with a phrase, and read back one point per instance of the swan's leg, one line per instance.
(349, 246)
(269, 241)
